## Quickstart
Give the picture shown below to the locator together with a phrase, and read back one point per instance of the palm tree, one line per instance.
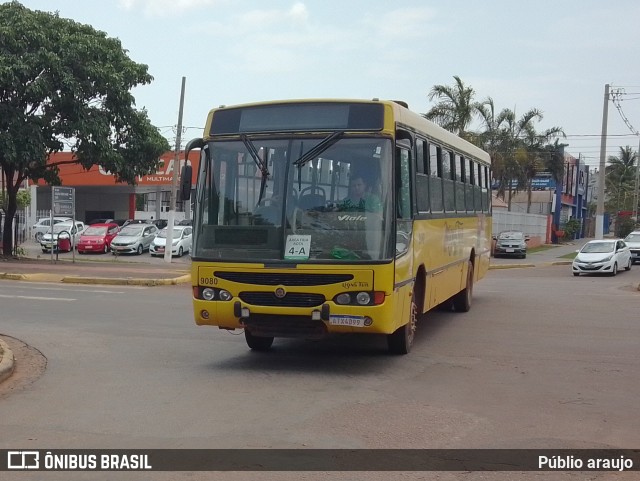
(620, 176)
(455, 108)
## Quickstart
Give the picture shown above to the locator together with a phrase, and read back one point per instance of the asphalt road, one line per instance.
(543, 360)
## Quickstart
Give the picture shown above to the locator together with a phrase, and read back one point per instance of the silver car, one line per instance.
(633, 241)
(65, 236)
(134, 239)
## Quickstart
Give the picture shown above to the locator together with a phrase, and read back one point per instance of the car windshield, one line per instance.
(511, 236)
(95, 231)
(176, 233)
(598, 247)
(131, 231)
(633, 237)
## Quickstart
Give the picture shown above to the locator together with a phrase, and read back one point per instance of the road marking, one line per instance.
(100, 291)
(34, 298)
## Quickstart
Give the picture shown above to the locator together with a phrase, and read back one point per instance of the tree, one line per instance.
(455, 109)
(620, 177)
(65, 84)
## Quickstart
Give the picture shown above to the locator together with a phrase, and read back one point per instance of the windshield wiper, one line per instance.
(319, 148)
(264, 170)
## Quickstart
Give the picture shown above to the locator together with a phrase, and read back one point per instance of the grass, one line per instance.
(540, 248)
(570, 255)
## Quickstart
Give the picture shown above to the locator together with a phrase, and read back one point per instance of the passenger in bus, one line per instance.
(360, 197)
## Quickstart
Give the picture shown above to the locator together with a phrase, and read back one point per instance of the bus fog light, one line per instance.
(315, 315)
(344, 298)
(245, 312)
(225, 295)
(208, 294)
(367, 321)
(363, 298)
(204, 314)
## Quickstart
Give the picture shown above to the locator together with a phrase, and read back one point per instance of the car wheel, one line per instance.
(257, 343)
(615, 269)
(180, 251)
(628, 268)
(106, 248)
(38, 236)
(139, 250)
(576, 274)
(401, 341)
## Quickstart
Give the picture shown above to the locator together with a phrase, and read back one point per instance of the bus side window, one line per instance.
(403, 182)
(422, 176)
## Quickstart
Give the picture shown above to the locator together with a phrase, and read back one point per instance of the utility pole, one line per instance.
(635, 192)
(174, 180)
(603, 159)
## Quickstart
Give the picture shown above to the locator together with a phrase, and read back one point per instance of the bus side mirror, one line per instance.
(185, 182)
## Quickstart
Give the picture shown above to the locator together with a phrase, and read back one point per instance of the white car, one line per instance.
(633, 242)
(65, 236)
(39, 228)
(181, 241)
(604, 256)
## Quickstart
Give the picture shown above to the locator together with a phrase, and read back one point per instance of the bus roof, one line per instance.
(399, 111)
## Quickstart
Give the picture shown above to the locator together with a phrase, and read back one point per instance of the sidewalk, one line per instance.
(95, 272)
(552, 255)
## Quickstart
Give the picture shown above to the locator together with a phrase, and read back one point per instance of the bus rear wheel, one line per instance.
(257, 343)
(401, 340)
(462, 300)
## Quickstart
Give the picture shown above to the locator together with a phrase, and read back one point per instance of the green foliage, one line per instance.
(624, 226)
(23, 199)
(65, 84)
(571, 228)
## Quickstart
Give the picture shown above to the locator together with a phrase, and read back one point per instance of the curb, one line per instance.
(126, 281)
(6, 361)
(114, 281)
(510, 266)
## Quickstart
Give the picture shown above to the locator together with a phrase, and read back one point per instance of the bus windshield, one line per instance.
(301, 198)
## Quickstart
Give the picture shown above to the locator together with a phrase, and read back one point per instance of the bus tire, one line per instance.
(462, 300)
(257, 343)
(401, 340)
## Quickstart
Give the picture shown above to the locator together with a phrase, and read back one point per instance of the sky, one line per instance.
(555, 56)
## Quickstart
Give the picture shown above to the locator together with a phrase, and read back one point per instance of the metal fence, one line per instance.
(19, 228)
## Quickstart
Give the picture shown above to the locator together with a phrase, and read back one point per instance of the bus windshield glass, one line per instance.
(312, 198)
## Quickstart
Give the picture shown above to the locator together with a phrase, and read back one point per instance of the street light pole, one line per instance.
(635, 192)
(603, 159)
(174, 182)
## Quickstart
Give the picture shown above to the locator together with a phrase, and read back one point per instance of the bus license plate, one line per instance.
(353, 321)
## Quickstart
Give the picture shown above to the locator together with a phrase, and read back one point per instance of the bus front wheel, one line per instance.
(462, 300)
(401, 340)
(257, 343)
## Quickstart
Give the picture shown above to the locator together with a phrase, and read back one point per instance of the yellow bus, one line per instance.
(315, 217)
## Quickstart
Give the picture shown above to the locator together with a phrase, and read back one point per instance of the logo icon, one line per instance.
(23, 460)
(280, 292)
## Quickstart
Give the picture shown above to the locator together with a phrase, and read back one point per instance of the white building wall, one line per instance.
(530, 224)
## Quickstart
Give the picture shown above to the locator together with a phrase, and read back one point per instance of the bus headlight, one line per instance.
(208, 294)
(344, 298)
(363, 298)
(225, 295)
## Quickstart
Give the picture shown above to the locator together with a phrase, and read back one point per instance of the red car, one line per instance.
(97, 238)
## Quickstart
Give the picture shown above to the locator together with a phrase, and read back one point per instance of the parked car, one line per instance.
(64, 237)
(604, 256)
(97, 238)
(511, 243)
(185, 222)
(43, 225)
(181, 241)
(633, 242)
(133, 239)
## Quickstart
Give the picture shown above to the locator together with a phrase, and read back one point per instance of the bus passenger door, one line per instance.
(404, 230)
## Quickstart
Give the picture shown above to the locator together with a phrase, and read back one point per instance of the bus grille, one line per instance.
(292, 299)
(283, 279)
